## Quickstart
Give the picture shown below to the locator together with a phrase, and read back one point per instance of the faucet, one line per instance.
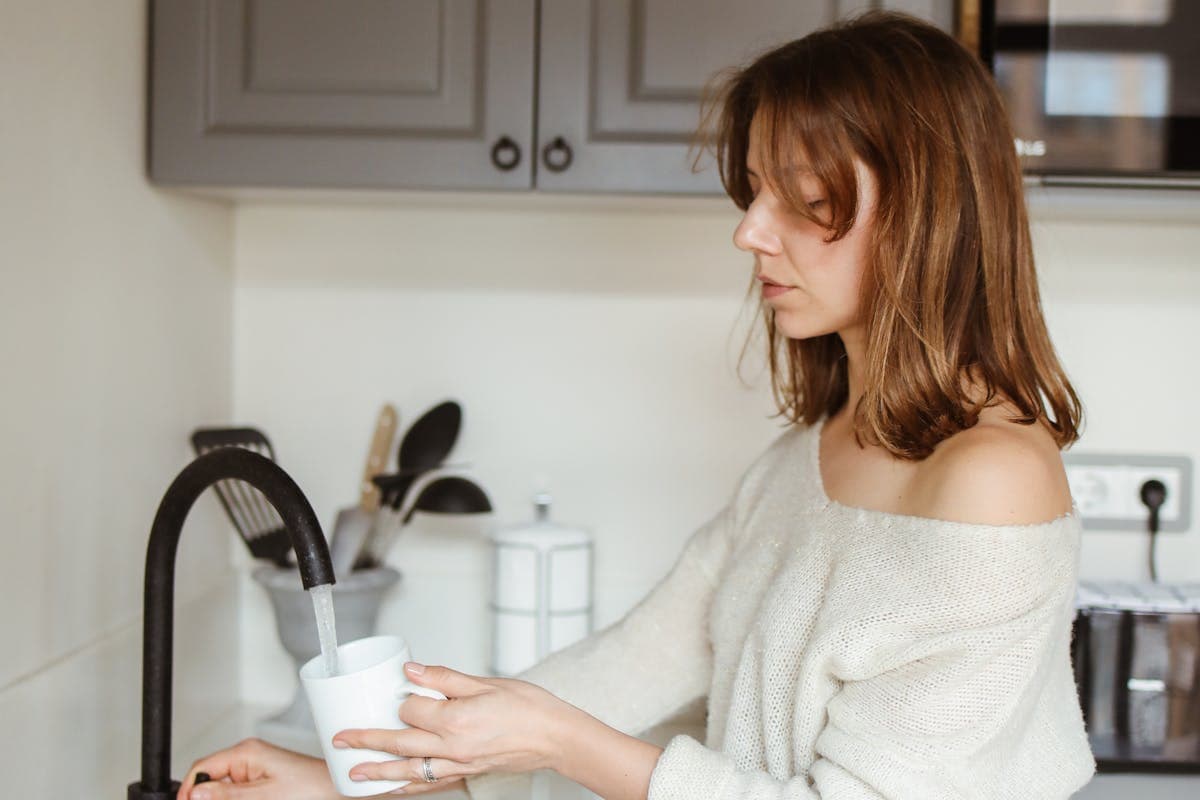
(312, 556)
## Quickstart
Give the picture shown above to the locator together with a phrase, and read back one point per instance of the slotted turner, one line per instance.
(254, 517)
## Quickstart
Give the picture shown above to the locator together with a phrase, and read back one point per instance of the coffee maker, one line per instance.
(1136, 654)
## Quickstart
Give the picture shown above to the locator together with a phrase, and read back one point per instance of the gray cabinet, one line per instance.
(354, 93)
(558, 95)
(621, 81)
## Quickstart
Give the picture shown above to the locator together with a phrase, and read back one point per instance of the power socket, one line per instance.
(1107, 489)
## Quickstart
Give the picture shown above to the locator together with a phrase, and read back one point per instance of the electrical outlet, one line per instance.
(1107, 488)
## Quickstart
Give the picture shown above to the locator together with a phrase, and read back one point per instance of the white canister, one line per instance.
(541, 589)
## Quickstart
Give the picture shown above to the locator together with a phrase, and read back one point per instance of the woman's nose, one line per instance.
(755, 234)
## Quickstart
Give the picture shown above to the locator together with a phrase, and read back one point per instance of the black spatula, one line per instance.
(254, 517)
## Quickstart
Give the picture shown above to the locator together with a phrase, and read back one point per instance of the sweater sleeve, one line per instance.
(962, 690)
(666, 633)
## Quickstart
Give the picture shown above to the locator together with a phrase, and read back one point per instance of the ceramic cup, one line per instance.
(366, 693)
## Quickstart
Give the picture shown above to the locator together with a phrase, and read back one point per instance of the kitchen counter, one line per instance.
(241, 723)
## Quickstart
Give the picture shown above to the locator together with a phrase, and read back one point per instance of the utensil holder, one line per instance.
(356, 601)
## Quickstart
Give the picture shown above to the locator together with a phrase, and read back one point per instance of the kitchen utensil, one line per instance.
(357, 598)
(449, 495)
(254, 518)
(365, 693)
(354, 524)
(431, 438)
(424, 447)
(445, 495)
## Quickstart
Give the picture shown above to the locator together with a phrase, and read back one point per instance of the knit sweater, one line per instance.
(846, 653)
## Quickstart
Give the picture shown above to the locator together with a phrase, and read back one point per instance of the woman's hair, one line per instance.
(949, 292)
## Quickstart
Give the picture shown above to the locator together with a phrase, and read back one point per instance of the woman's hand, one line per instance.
(255, 770)
(484, 725)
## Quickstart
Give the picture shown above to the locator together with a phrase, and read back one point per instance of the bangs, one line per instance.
(798, 137)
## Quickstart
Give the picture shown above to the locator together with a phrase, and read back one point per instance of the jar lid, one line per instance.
(541, 532)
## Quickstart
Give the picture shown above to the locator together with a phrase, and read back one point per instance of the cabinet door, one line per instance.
(357, 93)
(620, 82)
(939, 12)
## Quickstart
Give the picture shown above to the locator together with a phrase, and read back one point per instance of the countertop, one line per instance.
(243, 720)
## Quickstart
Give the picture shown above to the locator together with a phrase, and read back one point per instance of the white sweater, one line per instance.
(845, 653)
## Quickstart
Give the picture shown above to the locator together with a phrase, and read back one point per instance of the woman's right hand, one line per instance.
(256, 770)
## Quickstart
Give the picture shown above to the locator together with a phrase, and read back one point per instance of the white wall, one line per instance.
(115, 321)
(594, 339)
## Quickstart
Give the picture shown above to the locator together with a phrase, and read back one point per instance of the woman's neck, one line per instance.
(854, 340)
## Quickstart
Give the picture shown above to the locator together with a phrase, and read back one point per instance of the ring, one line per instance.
(429, 777)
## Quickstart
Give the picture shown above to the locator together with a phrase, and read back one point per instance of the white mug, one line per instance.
(366, 693)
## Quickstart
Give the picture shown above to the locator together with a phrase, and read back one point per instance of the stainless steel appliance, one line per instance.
(1136, 653)
(1098, 91)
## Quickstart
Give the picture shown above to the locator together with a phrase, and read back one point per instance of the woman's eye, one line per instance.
(816, 203)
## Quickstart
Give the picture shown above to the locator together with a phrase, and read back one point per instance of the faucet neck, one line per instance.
(312, 556)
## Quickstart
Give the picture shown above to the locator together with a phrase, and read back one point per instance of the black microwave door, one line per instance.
(1102, 88)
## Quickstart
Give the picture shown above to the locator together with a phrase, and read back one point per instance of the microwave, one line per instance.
(1098, 91)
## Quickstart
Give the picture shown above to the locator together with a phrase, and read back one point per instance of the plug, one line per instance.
(1153, 494)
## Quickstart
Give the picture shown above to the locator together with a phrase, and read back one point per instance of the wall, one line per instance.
(594, 339)
(115, 320)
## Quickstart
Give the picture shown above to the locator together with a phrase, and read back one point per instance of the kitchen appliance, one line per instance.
(1098, 91)
(1136, 654)
(541, 589)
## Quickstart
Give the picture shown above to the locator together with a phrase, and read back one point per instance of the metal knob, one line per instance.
(557, 155)
(506, 154)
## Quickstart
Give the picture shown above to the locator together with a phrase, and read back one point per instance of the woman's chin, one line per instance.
(800, 329)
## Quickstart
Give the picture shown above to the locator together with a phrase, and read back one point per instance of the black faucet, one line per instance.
(312, 556)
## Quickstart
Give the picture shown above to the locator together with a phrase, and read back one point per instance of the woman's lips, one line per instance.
(770, 288)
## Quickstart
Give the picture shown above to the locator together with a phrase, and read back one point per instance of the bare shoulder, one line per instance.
(995, 473)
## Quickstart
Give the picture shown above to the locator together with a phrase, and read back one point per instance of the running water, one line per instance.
(322, 597)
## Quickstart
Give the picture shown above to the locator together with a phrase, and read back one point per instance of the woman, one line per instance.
(883, 608)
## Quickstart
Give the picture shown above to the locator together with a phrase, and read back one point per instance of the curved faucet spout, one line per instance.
(312, 556)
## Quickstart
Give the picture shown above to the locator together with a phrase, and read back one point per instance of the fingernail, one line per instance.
(357, 776)
(339, 744)
(200, 794)
(414, 668)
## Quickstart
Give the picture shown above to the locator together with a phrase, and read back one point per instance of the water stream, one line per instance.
(322, 597)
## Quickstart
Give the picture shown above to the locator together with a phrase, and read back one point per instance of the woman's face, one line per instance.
(811, 285)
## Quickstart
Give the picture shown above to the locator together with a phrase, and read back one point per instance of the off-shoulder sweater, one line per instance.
(846, 653)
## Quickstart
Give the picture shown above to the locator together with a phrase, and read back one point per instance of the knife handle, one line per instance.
(377, 454)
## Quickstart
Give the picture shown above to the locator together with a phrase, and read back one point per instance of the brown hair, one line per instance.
(949, 292)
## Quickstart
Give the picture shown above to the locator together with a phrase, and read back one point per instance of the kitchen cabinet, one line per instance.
(554, 95)
(359, 93)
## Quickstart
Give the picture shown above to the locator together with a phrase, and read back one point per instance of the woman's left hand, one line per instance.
(484, 725)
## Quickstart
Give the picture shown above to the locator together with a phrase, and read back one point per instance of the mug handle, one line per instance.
(411, 688)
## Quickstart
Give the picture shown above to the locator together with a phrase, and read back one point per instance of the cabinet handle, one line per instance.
(559, 145)
(506, 153)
